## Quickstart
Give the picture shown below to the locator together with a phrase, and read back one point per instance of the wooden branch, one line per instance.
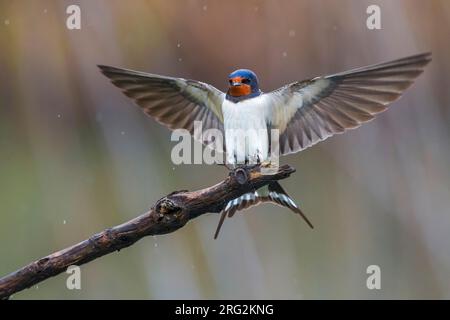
(167, 215)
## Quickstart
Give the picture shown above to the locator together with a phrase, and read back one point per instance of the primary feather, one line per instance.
(310, 111)
(174, 102)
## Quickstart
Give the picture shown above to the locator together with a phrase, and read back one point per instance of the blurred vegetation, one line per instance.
(76, 156)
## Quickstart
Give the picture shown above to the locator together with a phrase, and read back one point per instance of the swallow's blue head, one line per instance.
(243, 85)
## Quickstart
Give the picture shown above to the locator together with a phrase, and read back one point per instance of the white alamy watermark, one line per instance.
(73, 281)
(73, 21)
(374, 279)
(373, 21)
(244, 146)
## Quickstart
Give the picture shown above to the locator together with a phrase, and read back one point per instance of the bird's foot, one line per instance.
(268, 167)
(266, 164)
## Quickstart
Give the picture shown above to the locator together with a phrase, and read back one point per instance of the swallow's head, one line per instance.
(243, 84)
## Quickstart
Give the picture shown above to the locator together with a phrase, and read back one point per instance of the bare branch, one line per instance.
(167, 215)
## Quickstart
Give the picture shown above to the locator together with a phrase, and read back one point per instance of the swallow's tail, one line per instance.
(273, 193)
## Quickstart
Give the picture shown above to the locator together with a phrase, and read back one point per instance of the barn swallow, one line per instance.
(305, 112)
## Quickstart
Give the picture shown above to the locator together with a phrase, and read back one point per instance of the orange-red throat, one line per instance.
(237, 88)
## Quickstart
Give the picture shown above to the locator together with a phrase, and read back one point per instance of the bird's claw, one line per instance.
(266, 164)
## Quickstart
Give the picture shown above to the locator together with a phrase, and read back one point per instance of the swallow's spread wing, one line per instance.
(310, 111)
(174, 102)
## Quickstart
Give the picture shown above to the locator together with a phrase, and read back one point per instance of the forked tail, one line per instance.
(272, 193)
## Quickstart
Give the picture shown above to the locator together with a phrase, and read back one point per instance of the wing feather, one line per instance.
(174, 102)
(310, 111)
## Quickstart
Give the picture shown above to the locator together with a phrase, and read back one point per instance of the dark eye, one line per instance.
(246, 81)
(230, 81)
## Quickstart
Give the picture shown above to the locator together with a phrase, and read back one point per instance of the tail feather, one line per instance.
(278, 195)
(245, 201)
(275, 194)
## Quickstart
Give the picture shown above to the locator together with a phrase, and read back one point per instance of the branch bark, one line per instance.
(167, 215)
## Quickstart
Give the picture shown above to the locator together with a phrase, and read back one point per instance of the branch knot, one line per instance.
(166, 207)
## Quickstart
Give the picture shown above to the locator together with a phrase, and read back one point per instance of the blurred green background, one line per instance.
(76, 156)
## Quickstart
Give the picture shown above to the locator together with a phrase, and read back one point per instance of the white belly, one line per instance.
(246, 134)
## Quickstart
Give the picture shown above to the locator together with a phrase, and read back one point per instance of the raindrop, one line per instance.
(180, 59)
(284, 54)
(7, 22)
(156, 245)
(205, 7)
(64, 221)
(122, 133)
(178, 45)
(292, 33)
(59, 116)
